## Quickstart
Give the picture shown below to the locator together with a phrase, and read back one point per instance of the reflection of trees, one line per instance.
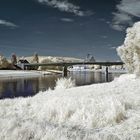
(13, 87)
(87, 77)
(99, 77)
(28, 87)
(18, 87)
(35, 85)
(25, 87)
(1, 88)
(47, 82)
(8, 88)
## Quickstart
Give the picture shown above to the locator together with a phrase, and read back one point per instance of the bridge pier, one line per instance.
(106, 74)
(65, 71)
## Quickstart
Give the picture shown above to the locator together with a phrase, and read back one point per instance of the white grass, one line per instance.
(108, 111)
(64, 83)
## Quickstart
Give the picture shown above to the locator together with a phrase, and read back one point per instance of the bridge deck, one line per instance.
(74, 63)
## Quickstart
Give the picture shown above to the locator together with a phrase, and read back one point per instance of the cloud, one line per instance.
(113, 48)
(66, 6)
(126, 11)
(131, 7)
(67, 19)
(7, 23)
(117, 27)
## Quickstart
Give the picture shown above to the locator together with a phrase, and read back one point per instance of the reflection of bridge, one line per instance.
(65, 65)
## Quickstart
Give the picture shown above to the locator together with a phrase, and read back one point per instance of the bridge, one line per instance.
(65, 65)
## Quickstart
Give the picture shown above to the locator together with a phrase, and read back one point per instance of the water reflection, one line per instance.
(10, 88)
(86, 78)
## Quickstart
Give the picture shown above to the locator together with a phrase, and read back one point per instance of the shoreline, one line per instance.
(35, 73)
(24, 74)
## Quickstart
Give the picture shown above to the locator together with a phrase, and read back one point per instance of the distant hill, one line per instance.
(51, 59)
(54, 59)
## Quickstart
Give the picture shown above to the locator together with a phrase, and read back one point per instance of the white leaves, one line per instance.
(130, 50)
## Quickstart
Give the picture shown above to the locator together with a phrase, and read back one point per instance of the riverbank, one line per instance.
(101, 111)
(22, 73)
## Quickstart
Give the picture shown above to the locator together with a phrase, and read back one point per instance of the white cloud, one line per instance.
(7, 23)
(113, 48)
(117, 27)
(67, 19)
(104, 36)
(126, 11)
(66, 6)
(131, 7)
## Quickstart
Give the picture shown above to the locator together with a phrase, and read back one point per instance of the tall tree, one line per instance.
(14, 59)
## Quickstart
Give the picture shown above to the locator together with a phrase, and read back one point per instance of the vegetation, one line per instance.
(49, 67)
(14, 59)
(4, 64)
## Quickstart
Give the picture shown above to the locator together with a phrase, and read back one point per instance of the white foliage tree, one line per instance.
(64, 83)
(129, 52)
(3, 62)
(35, 58)
(14, 59)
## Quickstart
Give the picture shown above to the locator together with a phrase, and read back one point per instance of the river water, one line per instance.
(24, 87)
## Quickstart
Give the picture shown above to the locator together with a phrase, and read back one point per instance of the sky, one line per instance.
(72, 28)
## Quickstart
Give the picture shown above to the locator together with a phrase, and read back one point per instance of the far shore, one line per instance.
(37, 73)
(26, 74)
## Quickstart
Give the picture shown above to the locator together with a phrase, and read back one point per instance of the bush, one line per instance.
(4, 64)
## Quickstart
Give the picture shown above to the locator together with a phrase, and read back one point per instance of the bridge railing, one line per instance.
(74, 63)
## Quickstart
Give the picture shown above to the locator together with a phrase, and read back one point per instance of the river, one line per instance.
(24, 87)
